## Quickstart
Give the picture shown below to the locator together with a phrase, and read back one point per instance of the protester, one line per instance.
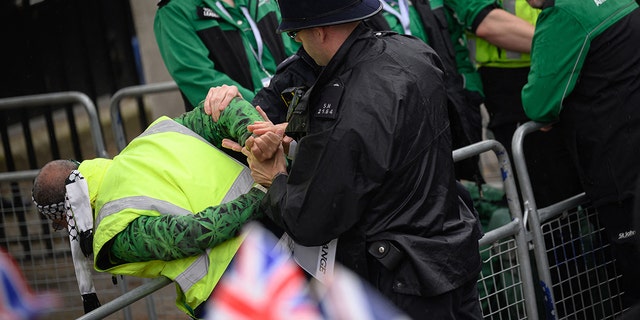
(170, 204)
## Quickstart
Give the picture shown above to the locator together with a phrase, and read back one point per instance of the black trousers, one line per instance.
(618, 221)
(549, 164)
(459, 304)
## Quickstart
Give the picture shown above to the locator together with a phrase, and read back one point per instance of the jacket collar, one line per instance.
(93, 171)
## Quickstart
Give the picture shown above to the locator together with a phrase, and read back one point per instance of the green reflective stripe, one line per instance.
(194, 273)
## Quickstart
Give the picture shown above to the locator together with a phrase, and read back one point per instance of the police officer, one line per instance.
(373, 166)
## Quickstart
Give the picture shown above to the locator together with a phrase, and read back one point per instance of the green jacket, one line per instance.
(207, 43)
(560, 45)
(203, 196)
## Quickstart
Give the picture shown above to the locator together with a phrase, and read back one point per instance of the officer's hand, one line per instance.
(264, 147)
(219, 98)
(264, 171)
(261, 147)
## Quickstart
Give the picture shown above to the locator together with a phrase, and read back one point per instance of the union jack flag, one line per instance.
(17, 301)
(345, 296)
(262, 283)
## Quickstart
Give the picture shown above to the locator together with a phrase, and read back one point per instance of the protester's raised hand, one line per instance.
(219, 98)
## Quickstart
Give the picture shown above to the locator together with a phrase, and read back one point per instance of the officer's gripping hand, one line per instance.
(219, 98)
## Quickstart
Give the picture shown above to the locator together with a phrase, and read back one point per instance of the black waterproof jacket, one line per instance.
(374, 163)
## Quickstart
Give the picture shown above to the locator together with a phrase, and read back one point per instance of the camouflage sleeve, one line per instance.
(173, 237)
(232, 124)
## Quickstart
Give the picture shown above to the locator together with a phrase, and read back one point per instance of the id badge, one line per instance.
(266, 81)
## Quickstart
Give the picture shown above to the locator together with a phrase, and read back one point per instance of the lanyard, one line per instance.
(403, 15)
(256, 34)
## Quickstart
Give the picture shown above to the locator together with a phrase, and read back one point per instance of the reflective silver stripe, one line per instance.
(200, 267)
(510, 6)
(241, 185)
(194, 273)
(140, 203)
(172, 126)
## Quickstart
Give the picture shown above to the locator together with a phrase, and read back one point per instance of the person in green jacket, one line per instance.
(170, 204)
(208, 43)
(585, 80)
(500, 33)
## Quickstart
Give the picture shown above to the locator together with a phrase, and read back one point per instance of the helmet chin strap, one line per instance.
(80, 227)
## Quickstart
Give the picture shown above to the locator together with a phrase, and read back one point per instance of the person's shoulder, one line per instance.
(300, 59)
(406, 45)
(179, 4)
(287, 62)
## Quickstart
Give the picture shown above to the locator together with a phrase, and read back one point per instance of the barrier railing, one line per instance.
(43, 256)
(590, 289)
(62, 98)
(507, 290)
(573, 258)
(134, 91)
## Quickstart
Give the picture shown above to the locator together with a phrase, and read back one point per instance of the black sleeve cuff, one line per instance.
(481, 15)
(272, 204)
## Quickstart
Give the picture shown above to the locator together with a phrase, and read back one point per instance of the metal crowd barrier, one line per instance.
(63, 98)
(43, 256)
(507, 290)
(134, 91)
(573, 258)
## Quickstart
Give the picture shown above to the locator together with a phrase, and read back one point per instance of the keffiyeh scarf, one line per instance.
(77, 208)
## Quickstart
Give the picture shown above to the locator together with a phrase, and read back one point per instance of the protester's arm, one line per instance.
(173, 237)
(185, 55)
(556, 61)
(232, 124)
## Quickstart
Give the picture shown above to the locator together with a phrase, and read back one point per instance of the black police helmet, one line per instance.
(303, 14)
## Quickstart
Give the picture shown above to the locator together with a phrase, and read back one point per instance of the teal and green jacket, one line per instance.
(172, 204)
(207, 43)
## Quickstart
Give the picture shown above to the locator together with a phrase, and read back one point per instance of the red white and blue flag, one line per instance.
(345, 296)
(262, 283)
(265, 283)
(17, 301)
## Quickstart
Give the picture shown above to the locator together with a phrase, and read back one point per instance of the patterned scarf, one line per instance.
(77, 207)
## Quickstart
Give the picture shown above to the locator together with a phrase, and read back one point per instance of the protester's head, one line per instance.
(49, 191)
(322, 26)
